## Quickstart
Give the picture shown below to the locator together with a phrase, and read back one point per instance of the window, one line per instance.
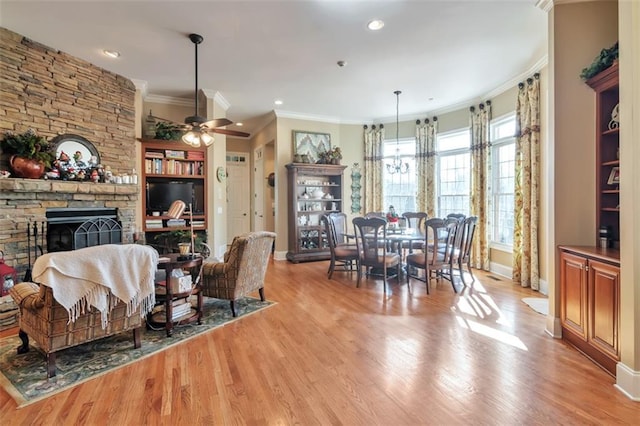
(399, 190)
(503, 156)
(453, 172)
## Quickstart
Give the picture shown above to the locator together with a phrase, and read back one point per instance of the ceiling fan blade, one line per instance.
(217, 122)
(230, 132)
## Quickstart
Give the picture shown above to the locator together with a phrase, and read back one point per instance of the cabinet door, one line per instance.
(604, 284)
(573, 286)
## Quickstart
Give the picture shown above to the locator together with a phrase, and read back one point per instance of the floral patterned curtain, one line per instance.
(480, 182)
(373, 140)
(527, 185)
(426, 165)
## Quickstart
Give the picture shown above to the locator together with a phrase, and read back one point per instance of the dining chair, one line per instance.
(371, 235)
(439, 241)
(459, 216)
(381, 215)
(342, 254)
(462, 252)
(339, 221)
(414, 220)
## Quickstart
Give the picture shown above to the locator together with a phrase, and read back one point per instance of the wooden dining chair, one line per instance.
(342, 254)
(414, 220)
(371, 240)
(462, 251)
(440, 235)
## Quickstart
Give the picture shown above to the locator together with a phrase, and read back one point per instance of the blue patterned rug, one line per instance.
(24, 376)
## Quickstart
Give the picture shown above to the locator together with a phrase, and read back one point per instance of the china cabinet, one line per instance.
(314, 190)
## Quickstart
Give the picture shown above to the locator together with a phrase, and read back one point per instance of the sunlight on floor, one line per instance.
(479, 304)
(498, 335)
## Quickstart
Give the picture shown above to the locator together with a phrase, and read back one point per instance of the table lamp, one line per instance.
(175, 211)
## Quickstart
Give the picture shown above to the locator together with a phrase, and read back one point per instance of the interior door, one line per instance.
(238, 192)
(259, 184)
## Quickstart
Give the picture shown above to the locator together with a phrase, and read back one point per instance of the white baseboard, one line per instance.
(628, 381)
(499, 269)
(279, 255)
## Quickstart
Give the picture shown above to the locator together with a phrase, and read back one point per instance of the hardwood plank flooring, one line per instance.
(331, 353)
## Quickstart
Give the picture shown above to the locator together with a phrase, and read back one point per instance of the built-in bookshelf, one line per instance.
(172, 170)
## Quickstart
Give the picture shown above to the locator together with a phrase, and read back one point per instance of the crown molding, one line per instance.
(141, 86)
(217, 97)
(169, 100)
(309, 117)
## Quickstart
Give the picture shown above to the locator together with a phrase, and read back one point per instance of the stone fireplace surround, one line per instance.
(27, 200)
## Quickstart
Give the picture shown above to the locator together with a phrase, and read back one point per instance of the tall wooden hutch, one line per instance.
(314, 190)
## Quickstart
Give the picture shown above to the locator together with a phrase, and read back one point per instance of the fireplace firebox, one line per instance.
(63, 223)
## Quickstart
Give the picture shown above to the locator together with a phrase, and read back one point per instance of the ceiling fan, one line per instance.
(197, 127)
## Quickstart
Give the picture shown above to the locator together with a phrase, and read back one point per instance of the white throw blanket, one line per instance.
(83, 278)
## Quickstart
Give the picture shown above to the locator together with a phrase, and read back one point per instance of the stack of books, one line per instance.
(195, 155)
(180, 308)
(176, 222)
(153, 223)
(179, 155)
(198, 223)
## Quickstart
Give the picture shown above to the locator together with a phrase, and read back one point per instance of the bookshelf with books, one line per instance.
(172, 170)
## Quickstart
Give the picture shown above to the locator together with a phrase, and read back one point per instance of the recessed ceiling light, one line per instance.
(111, 53)
(375, 25)
(239, 124)
(278, 102)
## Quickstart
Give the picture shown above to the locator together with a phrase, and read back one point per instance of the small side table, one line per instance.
(169, 262)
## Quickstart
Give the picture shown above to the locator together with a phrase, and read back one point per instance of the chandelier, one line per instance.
(397, 166)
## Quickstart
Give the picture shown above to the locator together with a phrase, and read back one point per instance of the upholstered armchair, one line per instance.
(243, 269)
(85, 295)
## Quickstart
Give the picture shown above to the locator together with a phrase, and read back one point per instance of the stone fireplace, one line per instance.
(24, 201)
(55, 93)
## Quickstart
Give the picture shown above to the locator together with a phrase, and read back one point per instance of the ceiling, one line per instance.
(441, 54)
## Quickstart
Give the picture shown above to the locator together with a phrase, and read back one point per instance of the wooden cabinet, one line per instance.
(590, 301)
(605, 85)
(314, 190)
(172, 170)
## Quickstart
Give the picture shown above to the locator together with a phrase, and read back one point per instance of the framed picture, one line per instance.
(311, 144)
(614, 176)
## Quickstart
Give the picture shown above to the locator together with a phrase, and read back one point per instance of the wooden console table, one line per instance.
(165, 295)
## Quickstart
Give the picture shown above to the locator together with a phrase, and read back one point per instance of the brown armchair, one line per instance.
(243, 269)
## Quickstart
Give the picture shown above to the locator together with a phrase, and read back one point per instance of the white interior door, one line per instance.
(259, 184)
(238, 192)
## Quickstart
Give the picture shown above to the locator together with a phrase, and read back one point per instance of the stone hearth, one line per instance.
(27, 200)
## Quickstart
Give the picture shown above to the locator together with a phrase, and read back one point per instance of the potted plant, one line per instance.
(332, 156)
(174, 239)
(168, 131)
(30, 154)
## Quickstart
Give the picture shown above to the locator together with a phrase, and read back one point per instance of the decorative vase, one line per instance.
(184, 248)
(26, 168)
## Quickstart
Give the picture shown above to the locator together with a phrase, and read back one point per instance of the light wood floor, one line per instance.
(331, 353)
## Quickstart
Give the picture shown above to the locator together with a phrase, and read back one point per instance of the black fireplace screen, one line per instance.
(70, 229)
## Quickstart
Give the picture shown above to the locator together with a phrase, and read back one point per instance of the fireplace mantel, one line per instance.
(65, 187)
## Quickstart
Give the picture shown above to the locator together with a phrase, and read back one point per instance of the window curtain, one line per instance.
(426, 165)
(480, 182)
(373, 140)
(527, 184)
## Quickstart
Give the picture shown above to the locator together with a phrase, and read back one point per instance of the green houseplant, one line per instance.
(168, 131)
(30, 154)
(604, 60)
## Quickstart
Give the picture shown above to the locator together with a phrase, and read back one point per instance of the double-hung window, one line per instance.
(399, 189)
(503, 154)
(453, 172)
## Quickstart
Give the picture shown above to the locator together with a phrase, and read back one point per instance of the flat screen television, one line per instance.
(160, 195)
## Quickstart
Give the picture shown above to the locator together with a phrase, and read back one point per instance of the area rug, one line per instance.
(24, 376)
(538, 304)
